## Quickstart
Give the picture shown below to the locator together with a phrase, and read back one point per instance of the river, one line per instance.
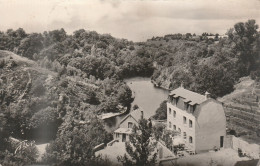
(147, 97)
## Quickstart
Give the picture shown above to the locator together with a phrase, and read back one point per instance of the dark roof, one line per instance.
(189, 96)
(247, 163)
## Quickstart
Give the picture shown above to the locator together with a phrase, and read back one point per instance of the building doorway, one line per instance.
(221, 141)
(124, 138)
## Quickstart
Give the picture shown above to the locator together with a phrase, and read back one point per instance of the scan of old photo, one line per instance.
(129, 83)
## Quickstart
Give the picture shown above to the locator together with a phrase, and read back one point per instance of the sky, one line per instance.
(136, 20)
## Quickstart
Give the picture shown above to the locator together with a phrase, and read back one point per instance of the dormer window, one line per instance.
(173, 100)
(191, 109)
(176, 101)
(194, 108)
(186, 106)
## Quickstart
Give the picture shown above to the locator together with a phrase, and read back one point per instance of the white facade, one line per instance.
(199, 119)
(175, 121)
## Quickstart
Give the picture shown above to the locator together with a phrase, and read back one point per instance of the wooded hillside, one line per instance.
(60, 81)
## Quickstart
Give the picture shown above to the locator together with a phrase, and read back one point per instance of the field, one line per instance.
(242, 109)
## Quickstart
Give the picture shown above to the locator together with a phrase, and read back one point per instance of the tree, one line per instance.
(214, 80)
(3, 131)
(30, 45)
(19, 153)
(167, 138)
(160, 133)
(158, 130)
(188, 35)
(46, 116)
(141, 148)
(75, 142)
(161, 112)
(244, 36)
(125, 95)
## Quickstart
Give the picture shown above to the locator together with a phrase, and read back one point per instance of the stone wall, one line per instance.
(251, 150)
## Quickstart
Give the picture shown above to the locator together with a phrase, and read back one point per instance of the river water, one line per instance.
(147, 97)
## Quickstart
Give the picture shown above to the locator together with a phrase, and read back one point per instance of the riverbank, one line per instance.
(157, 85)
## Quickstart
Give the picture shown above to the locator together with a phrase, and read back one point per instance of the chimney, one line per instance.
(142, 114)
(207, 95)
(181, 85)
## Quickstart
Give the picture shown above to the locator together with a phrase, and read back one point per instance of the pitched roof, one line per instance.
(189, 96)
(136, 114)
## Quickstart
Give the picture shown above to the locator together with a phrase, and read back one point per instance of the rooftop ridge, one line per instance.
(188, 95)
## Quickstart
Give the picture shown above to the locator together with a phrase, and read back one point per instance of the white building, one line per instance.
(200, 120)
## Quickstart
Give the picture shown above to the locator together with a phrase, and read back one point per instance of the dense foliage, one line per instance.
(57, 74)
(141, 148)
(204, 64)
(161, 112)
(162, 134)
(75, 142)
(177, 57)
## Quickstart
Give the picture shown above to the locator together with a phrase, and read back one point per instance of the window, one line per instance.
(130, 124)
(170, 111)
(184, 120)
(173, 100)
(176, 102)
(174, 114)
(194, 108)
(190, 123)
(170, 124)
(190, 139)
(186, 106)
(174, 127)
(117, 135)
(191, 109)
(184, 135)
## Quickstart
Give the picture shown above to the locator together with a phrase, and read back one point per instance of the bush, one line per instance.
(131, 48)
(2, 63)
(37, 88)
(43, 117)
(19, 156)
(255, 75)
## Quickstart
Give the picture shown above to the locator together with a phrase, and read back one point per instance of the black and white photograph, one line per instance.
(129, 83)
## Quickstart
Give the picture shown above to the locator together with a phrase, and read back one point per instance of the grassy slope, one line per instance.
(242, 109)
(22, 96)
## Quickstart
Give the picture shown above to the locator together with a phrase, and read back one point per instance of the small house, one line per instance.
(126, 125)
